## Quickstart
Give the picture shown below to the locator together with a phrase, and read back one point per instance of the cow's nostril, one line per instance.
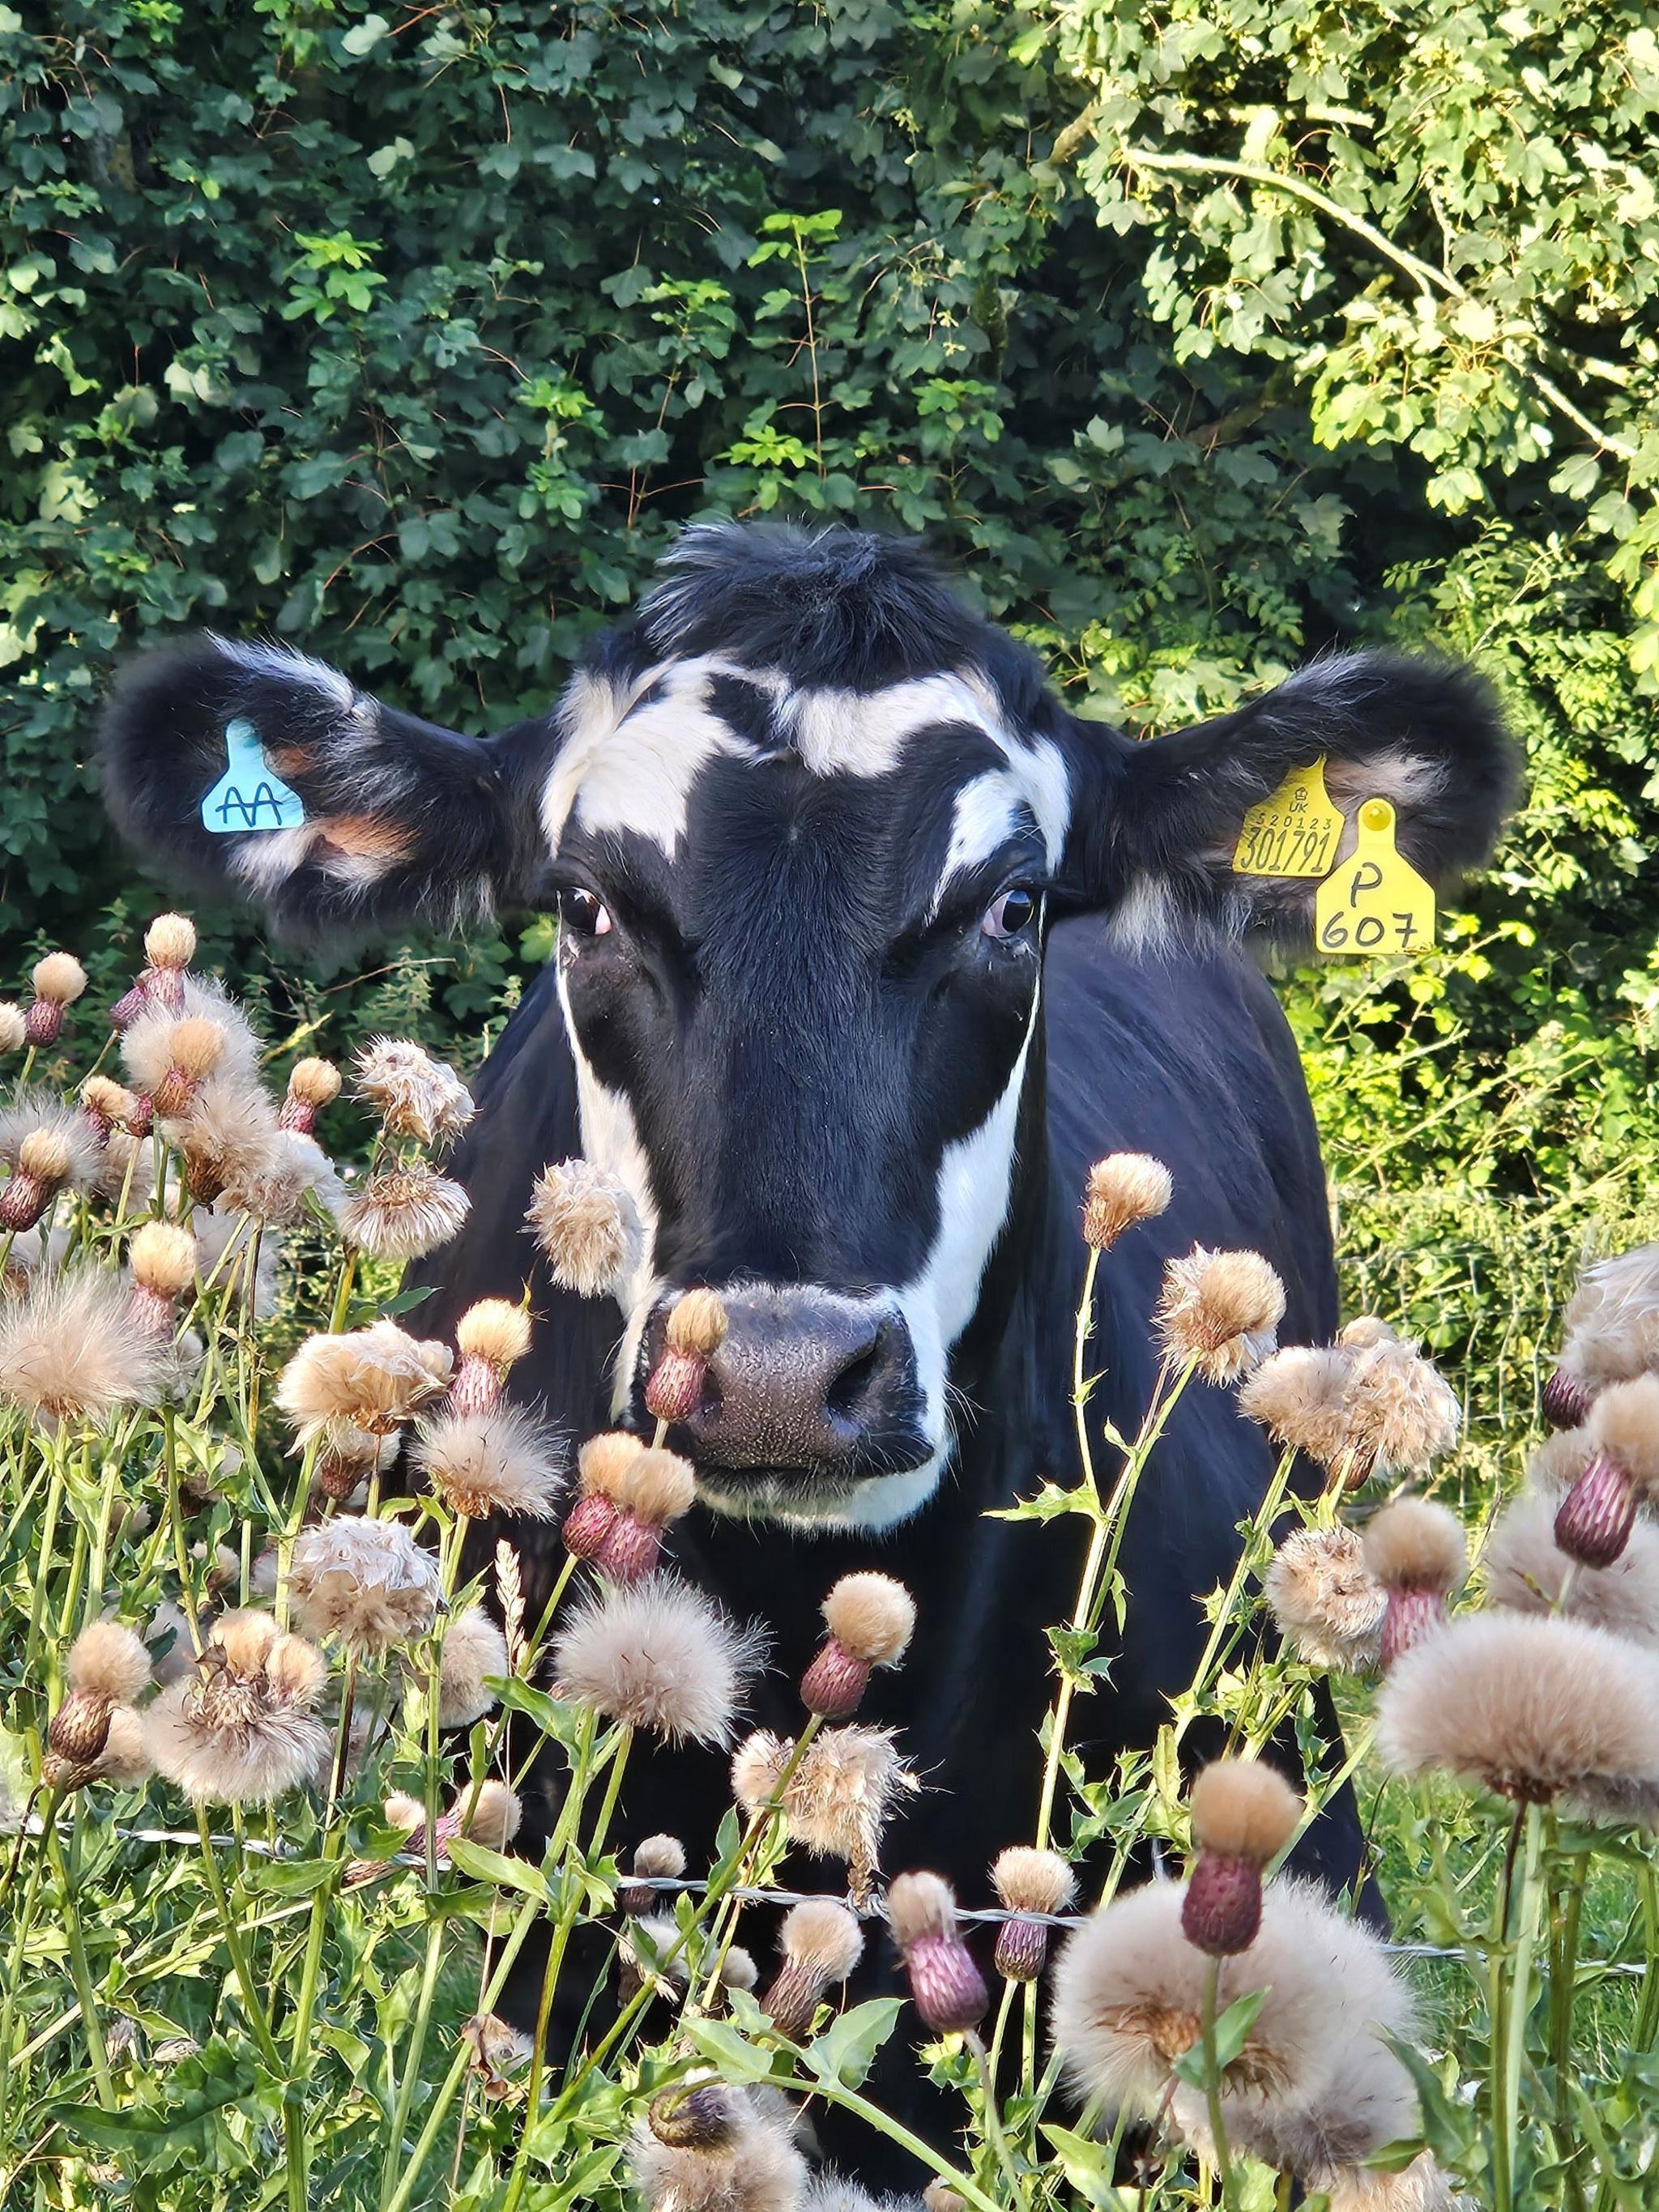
(846, 1394)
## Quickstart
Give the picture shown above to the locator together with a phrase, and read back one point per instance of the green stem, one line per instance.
(258, 2021)
(1213, 2081)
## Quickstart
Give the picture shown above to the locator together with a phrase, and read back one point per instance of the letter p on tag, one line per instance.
(1375, 903)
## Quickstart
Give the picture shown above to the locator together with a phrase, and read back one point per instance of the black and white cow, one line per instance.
(868, 948)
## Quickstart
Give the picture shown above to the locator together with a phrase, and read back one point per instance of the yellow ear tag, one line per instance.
(1294, 831)
(1376, 902)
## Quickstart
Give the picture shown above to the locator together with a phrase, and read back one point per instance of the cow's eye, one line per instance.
(1014, 911)
(583, 915)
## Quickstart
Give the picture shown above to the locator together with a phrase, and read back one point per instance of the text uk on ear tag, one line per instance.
(249, 795)
(1294, 831)
(1376, 902)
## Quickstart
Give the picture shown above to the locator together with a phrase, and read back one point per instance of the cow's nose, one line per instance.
(804, 1378)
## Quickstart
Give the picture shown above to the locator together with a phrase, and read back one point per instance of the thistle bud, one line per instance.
(1416, 1551)
(194, 1050)
(107, 1666)
(14, 1029)
(1029, 1881)
(1243, 1815)
(695, 1331)
(58, 980)
(75, 1739)
(656, 1488)
(658, 1858)
(821, 1943)
(42, 1169)
(162, 1259)
(871, 1619)
(313, 1084)
(601, 1465)
(492, 1337)
(106, 1105)
(169, 947)
(586, 1223)
(702, 2117)
(1598, 1513)
(131, 1006)
(1566, 1399)
(947, 1987)
(1123, 1190)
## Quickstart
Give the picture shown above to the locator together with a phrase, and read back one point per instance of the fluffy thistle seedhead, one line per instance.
(1611, 1333)
(105, 1104)
(658, 1858)
(872, 1616)
(695, 1331)
(1326, 1602)
(368, 1582)
(921, 1905)
(507, 1461)
(660, 1656)
(1123, 1190)
(745, 2163)
(1243, 1813)
(498, 2051)
(58, 981)
(657, 1487)
(489, 1815)
(838, 1801)
(314, 1083)
(43, 1136)
(1219, 1310)
(415, 1094)
(1029, 1881)
(243, 1728)
(1624, 1427)
(170, 941)
(1422, 2186)
(1299, 1395)
(1526, 1571)
(69, 1353)
(1402, 1414)
(110, 1660)
(946, 1987)
(162, 1258)
(1539, 1710)
(494, 1332)
(822, 1937)
(14, 1029)
(124, 1762)
(1129, 1994)
(1416, 1551)
(585, 1222)
(474, 1652)
(45, 1157)
(1557, 1464)
(403, 1213)
(603, 1463)
(697, 1324)
(373, 1378)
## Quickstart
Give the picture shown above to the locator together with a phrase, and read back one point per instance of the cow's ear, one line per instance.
(256, 770)
(1157, 826)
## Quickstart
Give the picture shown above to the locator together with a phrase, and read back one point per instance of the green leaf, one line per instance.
(733, 2055)
(847, 2049)
(1233, 2031)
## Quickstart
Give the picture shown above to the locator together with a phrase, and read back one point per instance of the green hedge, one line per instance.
(1200, 342)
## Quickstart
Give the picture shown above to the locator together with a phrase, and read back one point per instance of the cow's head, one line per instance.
(806, 819)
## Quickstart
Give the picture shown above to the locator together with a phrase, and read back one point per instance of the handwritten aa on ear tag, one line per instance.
(1376, 902)
(249, 795)
(1294, 831)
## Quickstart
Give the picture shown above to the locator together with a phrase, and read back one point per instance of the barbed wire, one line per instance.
(871, 1908)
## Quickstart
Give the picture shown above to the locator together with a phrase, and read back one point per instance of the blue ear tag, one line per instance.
(249, 795)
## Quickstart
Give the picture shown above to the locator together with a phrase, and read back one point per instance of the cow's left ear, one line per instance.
(269, 775)
(1156, 826)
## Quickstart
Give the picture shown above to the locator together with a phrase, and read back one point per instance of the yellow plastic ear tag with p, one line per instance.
(1294, 831)
(1376, 902)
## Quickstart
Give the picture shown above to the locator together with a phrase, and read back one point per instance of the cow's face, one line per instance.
(806, 820)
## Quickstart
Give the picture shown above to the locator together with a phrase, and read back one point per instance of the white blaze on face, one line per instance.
(626, 765)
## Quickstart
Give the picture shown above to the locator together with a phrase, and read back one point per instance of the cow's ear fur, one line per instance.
(401, 820)
(1153, 841)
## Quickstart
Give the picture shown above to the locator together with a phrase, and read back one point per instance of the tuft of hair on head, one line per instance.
(1327, 1604)
(507, 1461)
(871, 1616)
(14, 1028)
(474, 1652)
(1219, 1312)
(697, 1324)
(1416, 1543)
(1243, 1809)
(1403, 1414)
(403, 1212)
(368, 1582)
(1299, 1395)
(489, 1816)
(1123, 1190)
(1537, 1709)
(162, 1257)
(109, 1661)
(725, 2156)
(660, 1656)
(588, 1225)
(1525, 1571)
(493, 1331)
(170, 941)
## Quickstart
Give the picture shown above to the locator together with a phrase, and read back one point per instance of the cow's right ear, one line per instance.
(254, 769)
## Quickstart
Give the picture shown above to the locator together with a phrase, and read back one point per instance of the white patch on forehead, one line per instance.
(865, 733)
(626, 767)
(611, 1139)
(992, 809)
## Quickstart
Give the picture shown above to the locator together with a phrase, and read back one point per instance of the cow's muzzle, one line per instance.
(809, 1383)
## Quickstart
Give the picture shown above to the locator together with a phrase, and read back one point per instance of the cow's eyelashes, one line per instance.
(1012, 913)
(583, 913)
